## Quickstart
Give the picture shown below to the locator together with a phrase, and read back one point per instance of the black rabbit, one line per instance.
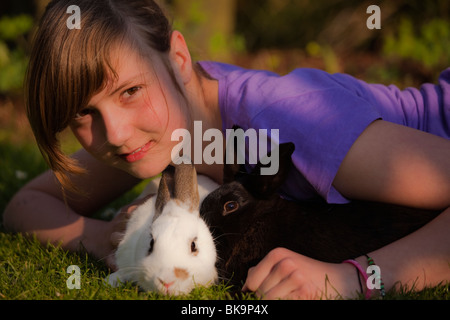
(248, 219)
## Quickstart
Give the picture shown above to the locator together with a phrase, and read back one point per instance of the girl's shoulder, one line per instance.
(245, 94)
(237, 84)
(304, 79)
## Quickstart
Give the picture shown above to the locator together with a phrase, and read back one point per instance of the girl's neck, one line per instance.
(209, 92)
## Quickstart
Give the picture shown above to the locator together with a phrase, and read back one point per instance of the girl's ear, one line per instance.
(180, 58)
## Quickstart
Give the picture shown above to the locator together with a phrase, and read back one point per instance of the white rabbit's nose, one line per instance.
(181, 273)
(166, 284)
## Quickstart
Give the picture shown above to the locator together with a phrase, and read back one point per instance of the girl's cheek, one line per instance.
(84, 133)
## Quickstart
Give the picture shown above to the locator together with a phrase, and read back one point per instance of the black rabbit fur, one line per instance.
(248, 219)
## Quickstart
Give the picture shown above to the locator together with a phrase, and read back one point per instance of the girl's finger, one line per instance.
(281, 271)
(258, 274)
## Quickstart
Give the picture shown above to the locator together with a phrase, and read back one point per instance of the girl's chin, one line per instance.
(145, 169)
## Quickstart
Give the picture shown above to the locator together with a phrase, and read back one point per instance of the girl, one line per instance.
(125, 81)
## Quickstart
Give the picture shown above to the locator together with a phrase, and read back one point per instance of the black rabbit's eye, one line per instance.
(152, 242)
(229, 207)
(194, 248)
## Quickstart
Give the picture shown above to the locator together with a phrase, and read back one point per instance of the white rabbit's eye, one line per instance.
(229, 207)
(194, 248)
(150, 250)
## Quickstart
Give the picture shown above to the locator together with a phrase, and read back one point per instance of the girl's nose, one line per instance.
(118, 128)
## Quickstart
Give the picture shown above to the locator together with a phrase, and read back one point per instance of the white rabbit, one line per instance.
(167, 247)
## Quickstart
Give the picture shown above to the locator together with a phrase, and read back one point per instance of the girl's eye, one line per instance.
(130, 92)
(82, 113)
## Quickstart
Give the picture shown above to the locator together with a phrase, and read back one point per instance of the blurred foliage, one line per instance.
(13, 54)
(428, 43)
(326, 54)
(208, 27)
(414, 40)
(294, 23)
(13, 28)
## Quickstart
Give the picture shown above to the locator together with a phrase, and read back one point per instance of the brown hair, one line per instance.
(68, 66)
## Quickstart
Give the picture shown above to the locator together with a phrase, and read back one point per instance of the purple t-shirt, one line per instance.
(323, 114)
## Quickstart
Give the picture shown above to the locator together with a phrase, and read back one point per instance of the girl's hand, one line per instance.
(117, 228)
(284, 274)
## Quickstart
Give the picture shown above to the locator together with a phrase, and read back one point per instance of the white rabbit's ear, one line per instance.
(180, 183)
(164, 190)
(185, 186)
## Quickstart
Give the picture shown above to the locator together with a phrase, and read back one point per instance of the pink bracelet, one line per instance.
(364, 275)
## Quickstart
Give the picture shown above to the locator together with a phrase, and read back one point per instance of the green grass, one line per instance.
(30, 271)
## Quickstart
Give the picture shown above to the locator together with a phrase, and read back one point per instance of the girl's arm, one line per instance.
(388, 163)
(39, 208)
(419, 260)
(396, 164)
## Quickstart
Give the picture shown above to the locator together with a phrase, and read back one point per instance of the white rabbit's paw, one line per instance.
(114, 280)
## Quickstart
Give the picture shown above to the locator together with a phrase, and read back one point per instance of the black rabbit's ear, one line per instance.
(262, 186)
(232, 167)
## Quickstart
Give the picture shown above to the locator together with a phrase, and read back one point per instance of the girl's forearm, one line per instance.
(51, 220)
(419, 260)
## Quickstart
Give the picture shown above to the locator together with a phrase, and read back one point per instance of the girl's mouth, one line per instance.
(137, 154)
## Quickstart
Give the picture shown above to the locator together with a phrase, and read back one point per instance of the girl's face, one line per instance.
(129, 124)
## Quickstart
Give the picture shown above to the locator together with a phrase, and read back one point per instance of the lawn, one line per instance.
(29, 271)
(34, 272)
